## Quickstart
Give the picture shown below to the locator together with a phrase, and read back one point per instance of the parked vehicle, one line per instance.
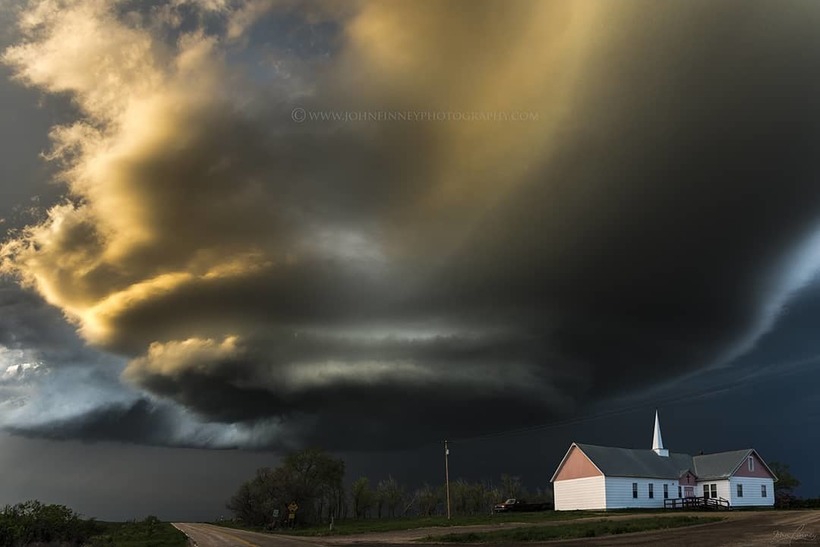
(514, 504)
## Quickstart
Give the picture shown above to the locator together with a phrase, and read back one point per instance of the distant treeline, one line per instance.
(315, 481)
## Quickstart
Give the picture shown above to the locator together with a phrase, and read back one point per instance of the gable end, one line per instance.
(759, 468)
(575, 465)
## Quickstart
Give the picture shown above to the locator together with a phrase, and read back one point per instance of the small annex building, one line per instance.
(603, 477)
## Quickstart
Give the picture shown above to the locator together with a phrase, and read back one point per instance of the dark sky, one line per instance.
(547, 218)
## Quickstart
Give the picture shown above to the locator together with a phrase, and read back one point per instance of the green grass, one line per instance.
(596, 528)
(363, 526)
(146, 533)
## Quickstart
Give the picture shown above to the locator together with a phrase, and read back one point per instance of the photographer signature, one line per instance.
(797, 535)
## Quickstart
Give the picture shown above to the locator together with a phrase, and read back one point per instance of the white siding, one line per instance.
(619, 492)
(616, 492)
(584, 493)
(751, 491)
(723, 489)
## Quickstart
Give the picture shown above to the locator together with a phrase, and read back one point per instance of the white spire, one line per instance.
(657, 441)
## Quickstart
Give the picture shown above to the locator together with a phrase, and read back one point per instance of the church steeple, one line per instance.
(657, 441)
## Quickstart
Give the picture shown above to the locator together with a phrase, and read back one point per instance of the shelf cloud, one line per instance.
(377, 224)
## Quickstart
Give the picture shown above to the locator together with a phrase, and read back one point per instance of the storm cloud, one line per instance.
(580, 200)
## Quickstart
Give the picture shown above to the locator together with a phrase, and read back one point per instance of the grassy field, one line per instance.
(573, 530)
(145, 533)
(363, 526)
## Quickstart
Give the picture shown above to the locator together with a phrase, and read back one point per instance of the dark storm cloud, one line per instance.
(658, 235)
(29, 325)
(386, 384)
(378, 284)
(17, 326)
(138, 422)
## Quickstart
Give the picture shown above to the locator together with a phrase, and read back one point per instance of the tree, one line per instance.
(389, 495)
(428, 499)
(476, 499)
(255, 500)
(785, 485)
(472, 498)
(362, 497)
(511, 487)
(317, 478)
(312, 478)
(458, 496)
(492, 495)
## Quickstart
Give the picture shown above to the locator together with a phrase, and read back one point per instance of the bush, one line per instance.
(35, 522)
(800, 503)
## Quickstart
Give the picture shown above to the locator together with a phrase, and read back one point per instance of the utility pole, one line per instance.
(447, 476)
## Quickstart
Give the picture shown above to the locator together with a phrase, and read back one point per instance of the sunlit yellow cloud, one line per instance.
(154, 206)
(193, 223)
(519, 58)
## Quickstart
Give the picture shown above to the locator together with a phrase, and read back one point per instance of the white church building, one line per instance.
(603, 477)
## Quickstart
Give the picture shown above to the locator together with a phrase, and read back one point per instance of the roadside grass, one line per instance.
(150, 532)
(572, 530)
(364, 526)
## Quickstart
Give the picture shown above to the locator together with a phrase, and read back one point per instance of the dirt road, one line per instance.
(208, 535)
(742, 528)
